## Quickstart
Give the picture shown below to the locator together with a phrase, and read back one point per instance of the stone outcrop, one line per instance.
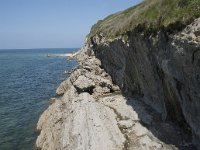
(64, 86)
(77, 120)
(93, 113)
(137, 86)
(158, 67)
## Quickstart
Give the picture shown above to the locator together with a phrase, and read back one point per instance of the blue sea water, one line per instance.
(28, 79)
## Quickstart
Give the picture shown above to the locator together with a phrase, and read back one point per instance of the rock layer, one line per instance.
(92, 113)
(160, 68)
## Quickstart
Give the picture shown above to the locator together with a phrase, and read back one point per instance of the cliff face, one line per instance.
(139, 94)
(91, 114)
(137, 85)
(160, 68)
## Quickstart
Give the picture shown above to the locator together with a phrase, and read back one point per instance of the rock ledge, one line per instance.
(92, 114)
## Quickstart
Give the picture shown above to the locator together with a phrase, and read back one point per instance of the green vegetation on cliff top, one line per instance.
(152, 13)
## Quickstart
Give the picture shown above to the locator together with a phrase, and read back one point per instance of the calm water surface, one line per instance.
(28, 79)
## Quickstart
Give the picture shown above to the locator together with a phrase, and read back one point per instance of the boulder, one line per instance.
(63, 87)
(83, 84)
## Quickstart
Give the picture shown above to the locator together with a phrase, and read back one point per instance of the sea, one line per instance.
(28, 79)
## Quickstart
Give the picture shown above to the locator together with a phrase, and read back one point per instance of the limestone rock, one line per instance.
(63, 87)
(98, 90)
(125, 123)
(50, 124)
(84, 84)
(139, 130)
(161, 70)
(91, 126)
(84, 124)
(129, 104)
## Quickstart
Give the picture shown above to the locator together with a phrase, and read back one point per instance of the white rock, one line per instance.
(63, 87)
(83, 83)
(125, 123)
(139, 130)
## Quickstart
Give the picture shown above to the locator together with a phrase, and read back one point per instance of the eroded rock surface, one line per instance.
(92, 114)
(160, 68)
(64, 86)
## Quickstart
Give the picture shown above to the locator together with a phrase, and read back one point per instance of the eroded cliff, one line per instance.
(158, 67)
(91, 113)
(137, 85)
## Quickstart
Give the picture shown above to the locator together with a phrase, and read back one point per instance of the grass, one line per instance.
(154, 13)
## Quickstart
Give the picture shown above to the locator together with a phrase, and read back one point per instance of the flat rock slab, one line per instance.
(92, 114)
(91, 126)
(83, 125)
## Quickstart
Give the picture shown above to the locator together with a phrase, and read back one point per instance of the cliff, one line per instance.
(137, 85)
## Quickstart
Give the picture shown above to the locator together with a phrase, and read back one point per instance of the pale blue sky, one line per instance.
(52, 23)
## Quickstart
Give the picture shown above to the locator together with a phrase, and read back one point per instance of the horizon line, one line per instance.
(40, 48)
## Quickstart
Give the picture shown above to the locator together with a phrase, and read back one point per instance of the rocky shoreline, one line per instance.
(91, 113)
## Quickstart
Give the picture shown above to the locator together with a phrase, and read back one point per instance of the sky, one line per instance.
(52, 23)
